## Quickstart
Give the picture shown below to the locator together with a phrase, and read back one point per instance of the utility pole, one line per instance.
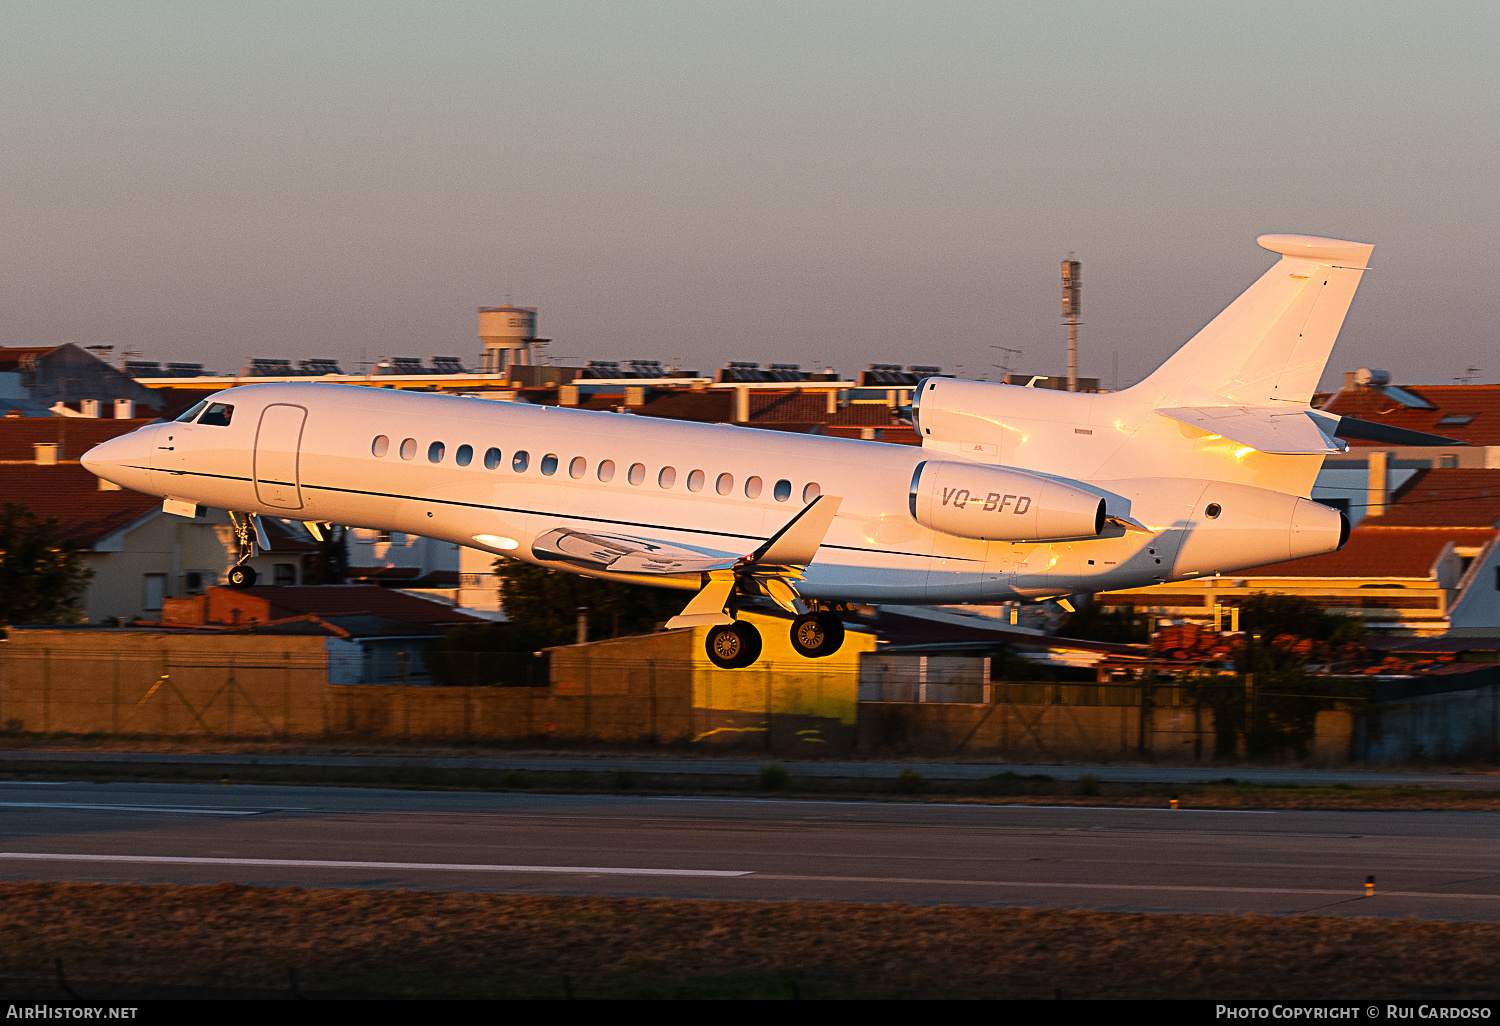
(1072, 313)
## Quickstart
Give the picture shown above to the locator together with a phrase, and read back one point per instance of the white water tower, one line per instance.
(507, 333)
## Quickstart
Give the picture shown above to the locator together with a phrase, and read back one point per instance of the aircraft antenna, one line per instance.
(1072, 313)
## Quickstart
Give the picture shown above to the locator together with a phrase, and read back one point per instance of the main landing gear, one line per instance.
(817, 634)
(734, 646)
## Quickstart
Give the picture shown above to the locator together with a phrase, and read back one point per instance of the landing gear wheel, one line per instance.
(242, 577)
(733, 646)
(817, 634)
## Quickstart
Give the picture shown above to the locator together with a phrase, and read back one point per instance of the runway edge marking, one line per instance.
(451, 867)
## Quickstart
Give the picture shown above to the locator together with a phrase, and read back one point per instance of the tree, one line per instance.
(543, 604)
(1272, 615)
(543, 607)
(1090, 622)
(42, 576)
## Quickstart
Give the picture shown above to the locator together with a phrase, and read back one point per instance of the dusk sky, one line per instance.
(839, 182)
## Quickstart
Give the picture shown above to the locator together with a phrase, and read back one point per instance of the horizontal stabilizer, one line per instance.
(1368, 431)
(1266, 429)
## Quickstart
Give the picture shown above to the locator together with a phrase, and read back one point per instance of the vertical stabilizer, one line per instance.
(1272, 343)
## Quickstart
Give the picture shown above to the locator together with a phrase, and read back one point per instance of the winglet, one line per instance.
(797, 543)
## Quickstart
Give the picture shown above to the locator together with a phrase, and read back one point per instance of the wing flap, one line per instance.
(622, 554)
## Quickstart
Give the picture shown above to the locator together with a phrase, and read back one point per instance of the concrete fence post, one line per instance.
(769, 710)
(651, 671)
(46, 691)
(114, 709)
(166, 677)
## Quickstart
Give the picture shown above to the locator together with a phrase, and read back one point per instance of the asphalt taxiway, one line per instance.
(1443, 865)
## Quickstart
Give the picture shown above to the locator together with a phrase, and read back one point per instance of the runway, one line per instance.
(1443, 865)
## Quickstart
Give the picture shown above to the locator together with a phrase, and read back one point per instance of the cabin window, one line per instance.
(520, 461)
(783, 490)
(464, 456)
(725, 484)
(578, 467)
(752, 488)
(549, 464)
(217, 415)
(668, 477)
(811, 492)
(491, 459)
(695, 481)
(607, 470)
(435, 452)
(380, 446)
(408, 448)
(637, 473)
(192, 413)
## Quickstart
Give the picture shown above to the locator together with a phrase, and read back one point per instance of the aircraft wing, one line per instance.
(1291, 432)
(622, 554)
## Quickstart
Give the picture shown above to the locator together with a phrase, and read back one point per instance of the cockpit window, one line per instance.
(192, 414)
(218, 415)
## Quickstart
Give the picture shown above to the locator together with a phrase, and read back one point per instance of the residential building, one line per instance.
(140, 556)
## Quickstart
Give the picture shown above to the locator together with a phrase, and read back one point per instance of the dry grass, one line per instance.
(228, 940)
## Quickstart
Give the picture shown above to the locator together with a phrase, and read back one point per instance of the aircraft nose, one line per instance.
(124, 460)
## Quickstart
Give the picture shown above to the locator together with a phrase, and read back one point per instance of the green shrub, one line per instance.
(773, 777)
(909, 781)
(1088, 784)
(625, 779)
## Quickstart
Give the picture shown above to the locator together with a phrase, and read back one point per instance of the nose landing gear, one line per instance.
(249, 533)
(242, 576)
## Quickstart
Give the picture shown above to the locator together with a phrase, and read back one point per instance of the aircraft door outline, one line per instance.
(278, 444)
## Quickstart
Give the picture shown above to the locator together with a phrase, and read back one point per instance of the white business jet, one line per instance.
(1015, 493)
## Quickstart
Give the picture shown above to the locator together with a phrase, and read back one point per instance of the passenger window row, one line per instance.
(578, 467)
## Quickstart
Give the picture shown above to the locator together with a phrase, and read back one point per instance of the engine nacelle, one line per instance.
(998, 504)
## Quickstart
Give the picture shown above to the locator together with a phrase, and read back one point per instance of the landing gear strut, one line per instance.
(817, 634)
(733, 646)
(249, 533)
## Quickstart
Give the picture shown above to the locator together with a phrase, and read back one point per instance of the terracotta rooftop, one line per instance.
(327, 601)
(1444, 498)
(1378, 552)
(1479, 403)
(71, 494)
(77, 434)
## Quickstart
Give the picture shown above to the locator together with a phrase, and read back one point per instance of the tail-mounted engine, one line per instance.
(999, 504)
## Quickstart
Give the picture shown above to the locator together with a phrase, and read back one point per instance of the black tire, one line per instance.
(816, 635)
(242, 577)
(733, 646)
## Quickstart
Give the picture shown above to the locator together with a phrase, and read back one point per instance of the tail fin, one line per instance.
(1272, 343)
